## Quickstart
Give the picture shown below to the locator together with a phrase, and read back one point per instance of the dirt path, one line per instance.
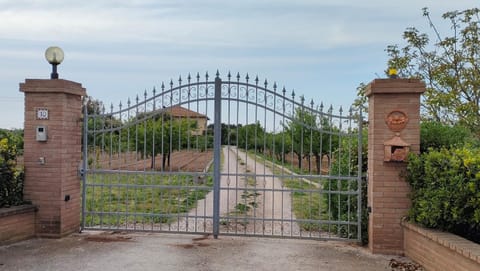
(272, 213)
(244, 182)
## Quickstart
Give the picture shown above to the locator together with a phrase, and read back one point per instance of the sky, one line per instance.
(322, 49)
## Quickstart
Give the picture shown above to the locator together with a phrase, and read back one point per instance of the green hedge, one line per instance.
(446, 190)
(435, 135)
(11, 177)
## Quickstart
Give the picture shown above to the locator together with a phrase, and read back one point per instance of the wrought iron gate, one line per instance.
(233, 157)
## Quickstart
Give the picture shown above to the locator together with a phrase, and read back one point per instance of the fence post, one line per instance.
(393, 131)
(217, 148)
(52, 153)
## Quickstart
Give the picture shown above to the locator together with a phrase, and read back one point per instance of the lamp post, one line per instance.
(54, 56)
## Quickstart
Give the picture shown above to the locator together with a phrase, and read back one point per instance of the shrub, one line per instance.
(15, 137)
(446, 190)
(11, 178)
(344, 207)
(435, 135)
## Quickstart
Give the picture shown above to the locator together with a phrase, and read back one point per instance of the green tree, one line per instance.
(300, 129)
(163, 135)
(250, 136)
(229, 135)
(435, 135)
(311, 136)
(103, 127)
(279, 144)
(449, 65)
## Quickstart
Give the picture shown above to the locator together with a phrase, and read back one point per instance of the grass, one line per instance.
(143, 198)
(140, 198)
(285, 164)
(307, 204)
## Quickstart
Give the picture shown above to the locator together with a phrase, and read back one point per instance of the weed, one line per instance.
(242, 208)
(251, 181)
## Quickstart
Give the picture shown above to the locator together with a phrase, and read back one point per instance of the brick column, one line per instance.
(51, 167)
(393, 131)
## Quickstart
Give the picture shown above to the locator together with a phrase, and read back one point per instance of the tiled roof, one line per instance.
(178, 111)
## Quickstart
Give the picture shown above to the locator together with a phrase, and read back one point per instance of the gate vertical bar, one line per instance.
(217, 147)
(84, 161)
(360, 176)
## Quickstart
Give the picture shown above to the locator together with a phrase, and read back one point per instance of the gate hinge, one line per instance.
(81, 172)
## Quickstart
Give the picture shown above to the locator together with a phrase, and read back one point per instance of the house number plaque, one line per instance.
(42, 114)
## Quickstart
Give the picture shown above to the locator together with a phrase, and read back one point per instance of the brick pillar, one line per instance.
(393, 131)
(51, 167)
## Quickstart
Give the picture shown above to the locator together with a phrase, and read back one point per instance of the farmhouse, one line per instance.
(178, 112)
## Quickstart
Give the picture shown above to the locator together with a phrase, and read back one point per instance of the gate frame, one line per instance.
(217, 98)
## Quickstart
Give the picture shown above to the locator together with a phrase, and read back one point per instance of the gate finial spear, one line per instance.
(217, 74)
(229, 76)
(266, 83)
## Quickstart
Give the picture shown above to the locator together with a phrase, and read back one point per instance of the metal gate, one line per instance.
(223, 157)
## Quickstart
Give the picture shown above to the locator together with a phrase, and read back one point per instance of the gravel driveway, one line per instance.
(108, 251)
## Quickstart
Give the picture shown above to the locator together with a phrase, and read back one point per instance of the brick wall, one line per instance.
(440, 251)
(17, 223)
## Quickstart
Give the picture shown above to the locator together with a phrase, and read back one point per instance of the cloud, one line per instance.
(310, 24)
(123, 46)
